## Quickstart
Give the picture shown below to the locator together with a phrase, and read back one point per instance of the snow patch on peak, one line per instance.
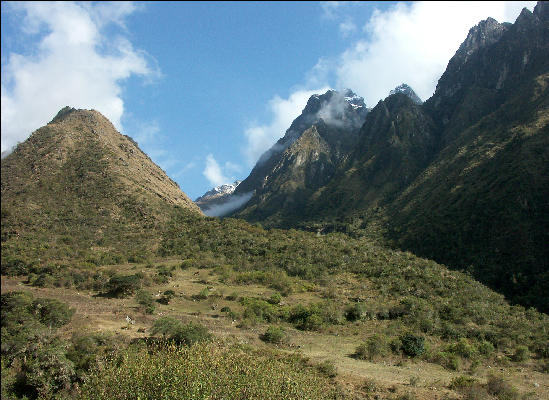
(218, 191)
(408, 91)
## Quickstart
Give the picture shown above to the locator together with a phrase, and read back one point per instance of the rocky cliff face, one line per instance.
(306, 158)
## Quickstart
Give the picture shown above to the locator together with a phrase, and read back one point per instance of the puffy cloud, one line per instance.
(213, 172)
(408, 42)
(68, 60)
(260, 137)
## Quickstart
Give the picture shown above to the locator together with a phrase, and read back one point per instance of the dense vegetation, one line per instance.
(206, 371)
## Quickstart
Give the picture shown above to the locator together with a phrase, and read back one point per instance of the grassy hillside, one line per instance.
(370, 317)
(79, 189)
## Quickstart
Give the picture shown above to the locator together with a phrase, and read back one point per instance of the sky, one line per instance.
(205, 88)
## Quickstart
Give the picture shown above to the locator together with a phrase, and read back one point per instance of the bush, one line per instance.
(462, 348)
(306, 318)
(232, 297)
(190, 334)
(462, 382)
(354, 312)
(485, 348)
(275, 298)
(145, 299)
(52, 312)
(497, 386)
(166, 326)
(123, 286)
(166, 297)
(204, 293)
(274, 334)
(521, 354)
(372, 348)
(413, 345)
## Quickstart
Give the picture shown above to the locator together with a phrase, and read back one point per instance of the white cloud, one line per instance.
(283, 111)
(213, 172)
(408, 43)
(234, 202)
(347, 27)
(69, 61)
(147, 133)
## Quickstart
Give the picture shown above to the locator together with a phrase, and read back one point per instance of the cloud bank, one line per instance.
(234, 202)
(73, 62)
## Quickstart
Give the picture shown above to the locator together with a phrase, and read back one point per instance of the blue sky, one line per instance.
(206, 87)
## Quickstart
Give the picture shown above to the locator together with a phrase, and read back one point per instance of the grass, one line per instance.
(335, 342)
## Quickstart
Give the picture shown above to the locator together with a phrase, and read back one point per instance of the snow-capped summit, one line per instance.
(408, 91)
(353, 99)
(218, 191)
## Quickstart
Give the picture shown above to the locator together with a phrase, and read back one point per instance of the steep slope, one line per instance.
(396, 143)
(462, 178)
(306, 158)
(482, 204)
(78, 186)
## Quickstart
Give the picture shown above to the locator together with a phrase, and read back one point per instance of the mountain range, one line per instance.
(462, 178)
(115, 282)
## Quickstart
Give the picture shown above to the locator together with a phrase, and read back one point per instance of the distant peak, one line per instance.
(221, 190)
(408, 91)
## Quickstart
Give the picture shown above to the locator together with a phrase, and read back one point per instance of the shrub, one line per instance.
(190, 334)
(485, 348)
(258, 309)
(413, 345)
(166, 297)
(273, 334)
(146, 300)
(354, 312)
(462, 348)
(372, 348)
(166, 326)
(123, 286)
(369, 385)
(204, 293)
(497, 386)
(174, 330)
(275, 298)
(306, 318)
(521, 354)
(462, 382)
(45, 372)
(232, 297)
(396, 345)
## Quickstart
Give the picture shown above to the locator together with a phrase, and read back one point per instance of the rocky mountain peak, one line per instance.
(221, 190)
(408, 91)
(481, 35)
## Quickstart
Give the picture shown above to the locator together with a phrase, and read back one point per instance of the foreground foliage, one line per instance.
(205, 371)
